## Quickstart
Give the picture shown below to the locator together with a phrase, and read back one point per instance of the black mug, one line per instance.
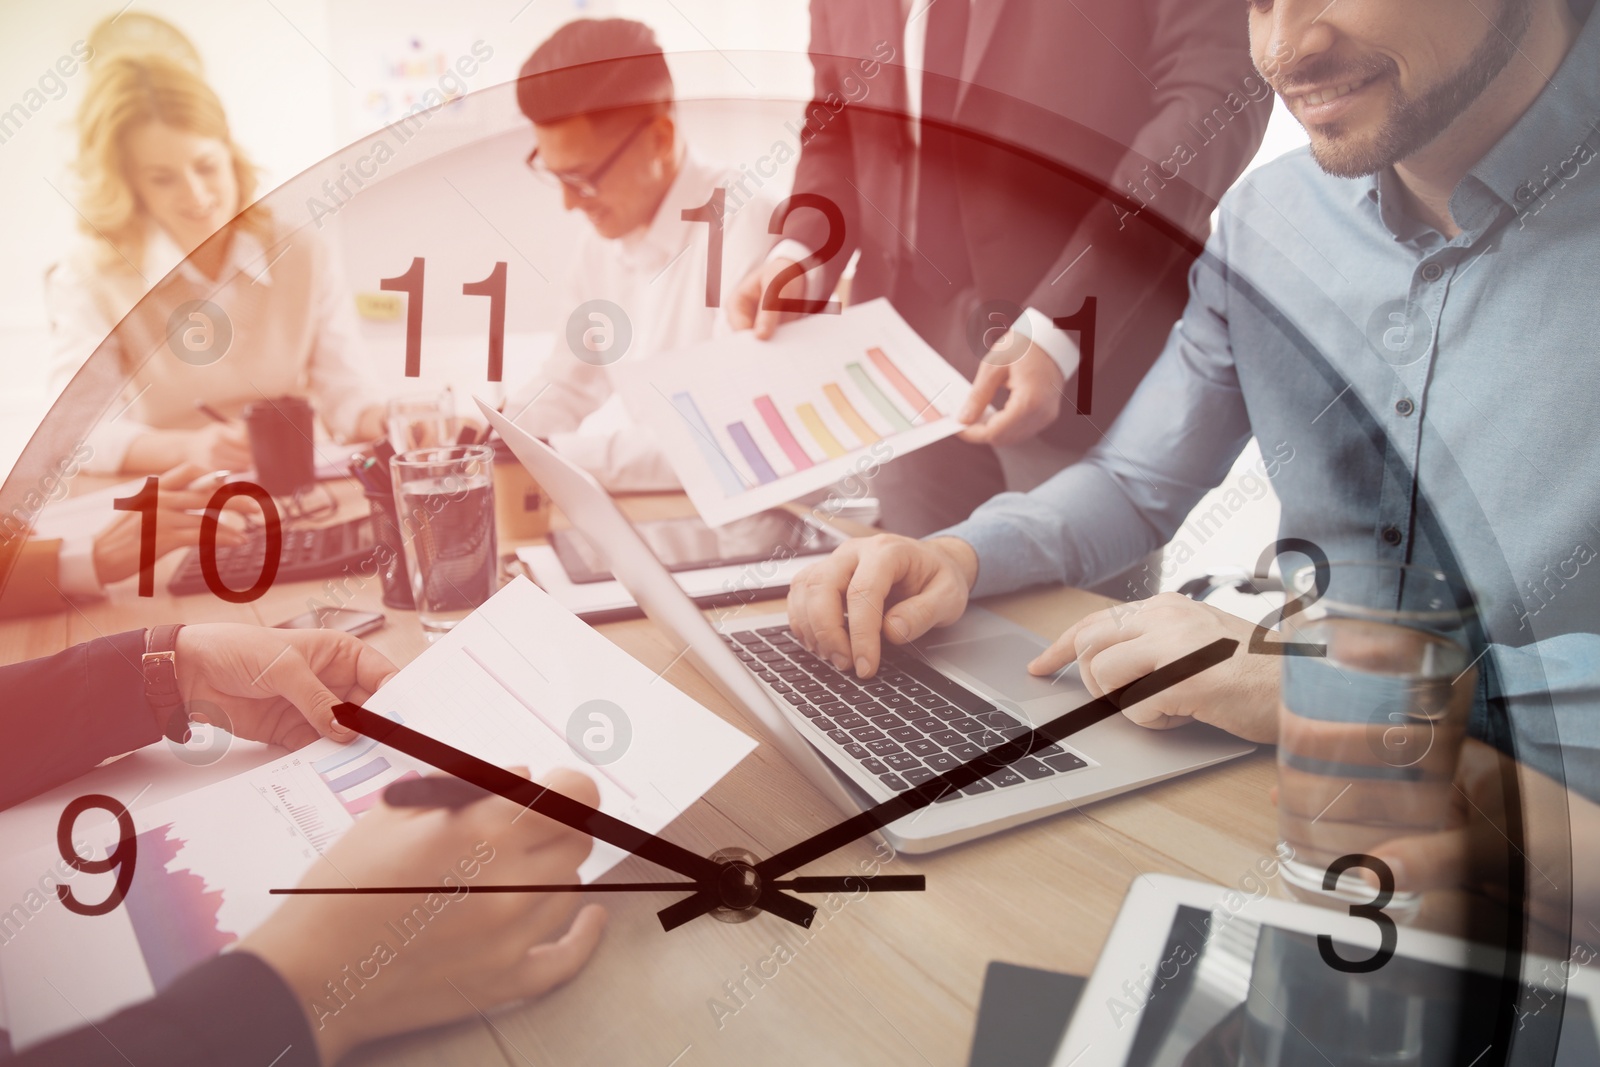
(280, 444)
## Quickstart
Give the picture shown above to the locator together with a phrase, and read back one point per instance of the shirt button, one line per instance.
(1391, 535)
(1404, 407)
(1432, 272)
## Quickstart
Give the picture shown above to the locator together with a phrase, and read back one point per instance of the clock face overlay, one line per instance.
(453, 265)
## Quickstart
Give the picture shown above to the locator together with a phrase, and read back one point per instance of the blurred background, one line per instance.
(310, 85)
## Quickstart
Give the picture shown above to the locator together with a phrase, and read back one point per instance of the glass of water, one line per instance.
(1377, 690)
(444, 498)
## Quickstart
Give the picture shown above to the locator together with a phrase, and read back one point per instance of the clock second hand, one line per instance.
(849, 883)
(918, 797)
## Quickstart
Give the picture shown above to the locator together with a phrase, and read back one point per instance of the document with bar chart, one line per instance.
(748, 425)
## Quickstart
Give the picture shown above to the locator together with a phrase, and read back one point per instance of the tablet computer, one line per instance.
(1196, 975)
(688, 544)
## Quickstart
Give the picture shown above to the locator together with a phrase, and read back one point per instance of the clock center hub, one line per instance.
(738, 886)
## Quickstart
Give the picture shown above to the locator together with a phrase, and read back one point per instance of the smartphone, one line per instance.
(346, 619)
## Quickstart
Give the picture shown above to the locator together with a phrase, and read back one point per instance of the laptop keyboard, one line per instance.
(906, 724)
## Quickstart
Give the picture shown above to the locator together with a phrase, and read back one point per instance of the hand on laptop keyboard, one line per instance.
(905, 725)
(890, 586)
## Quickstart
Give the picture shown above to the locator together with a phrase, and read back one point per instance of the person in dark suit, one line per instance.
(997, 163)
(268, 999)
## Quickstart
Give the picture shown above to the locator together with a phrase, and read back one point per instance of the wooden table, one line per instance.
(886, 979)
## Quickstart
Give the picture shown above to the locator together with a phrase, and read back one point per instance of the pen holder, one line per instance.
(389, 547)
(389, 551)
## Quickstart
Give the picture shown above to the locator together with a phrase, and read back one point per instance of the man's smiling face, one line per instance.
(1374, 81)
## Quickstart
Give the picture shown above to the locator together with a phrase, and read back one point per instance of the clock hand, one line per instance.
(558, 887)
(712, 879)
(690, 908)
(850, 883)
(521, 791)
(918, 797)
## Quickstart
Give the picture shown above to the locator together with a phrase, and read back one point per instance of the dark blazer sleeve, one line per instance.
(232, 1010)
(827, 156)
(1199, 59)
(65, 713)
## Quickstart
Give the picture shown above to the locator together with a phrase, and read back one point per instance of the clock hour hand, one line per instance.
(918, 797)
(708, 874)
(531, 795)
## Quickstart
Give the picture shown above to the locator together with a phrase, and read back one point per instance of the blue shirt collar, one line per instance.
(1561, 128)
(1553, 133)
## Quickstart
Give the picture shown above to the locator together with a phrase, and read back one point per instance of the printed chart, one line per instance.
(173, 911)
(748, 425)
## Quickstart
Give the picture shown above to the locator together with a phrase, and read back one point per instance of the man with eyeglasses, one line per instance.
(600, 98)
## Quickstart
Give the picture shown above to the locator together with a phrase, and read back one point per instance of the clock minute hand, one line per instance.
(531, 795)
(902, 804)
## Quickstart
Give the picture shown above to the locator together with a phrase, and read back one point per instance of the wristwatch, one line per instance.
(160, 666)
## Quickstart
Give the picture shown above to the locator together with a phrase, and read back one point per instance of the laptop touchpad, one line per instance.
(1001, 662)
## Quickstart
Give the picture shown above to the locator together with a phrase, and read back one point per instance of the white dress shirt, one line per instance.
(657, 276)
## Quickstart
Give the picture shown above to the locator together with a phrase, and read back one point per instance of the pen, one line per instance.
(211, 413)
(452, 793)
(373, 478)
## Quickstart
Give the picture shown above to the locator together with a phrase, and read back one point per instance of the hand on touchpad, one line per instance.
(1001, 661)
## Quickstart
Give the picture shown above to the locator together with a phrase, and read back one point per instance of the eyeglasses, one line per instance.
(584, 186)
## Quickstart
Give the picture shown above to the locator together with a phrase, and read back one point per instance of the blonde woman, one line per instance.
(200, 303)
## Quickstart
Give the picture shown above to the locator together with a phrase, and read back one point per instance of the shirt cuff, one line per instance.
(75, 567)
(1019, 543)
(989, 543)
(1057, 343)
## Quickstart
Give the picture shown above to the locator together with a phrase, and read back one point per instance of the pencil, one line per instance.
(211, 413)
(452, 793)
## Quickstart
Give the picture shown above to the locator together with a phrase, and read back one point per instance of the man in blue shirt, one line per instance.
(1406, 309)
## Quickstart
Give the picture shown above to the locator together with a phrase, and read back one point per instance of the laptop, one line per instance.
(933, 704)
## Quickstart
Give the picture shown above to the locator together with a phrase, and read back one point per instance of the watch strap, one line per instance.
(160, 666)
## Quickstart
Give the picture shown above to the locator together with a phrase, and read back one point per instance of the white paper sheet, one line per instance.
(503, 685)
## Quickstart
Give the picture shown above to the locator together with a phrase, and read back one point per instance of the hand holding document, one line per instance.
(748, 425)
(519, 682)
